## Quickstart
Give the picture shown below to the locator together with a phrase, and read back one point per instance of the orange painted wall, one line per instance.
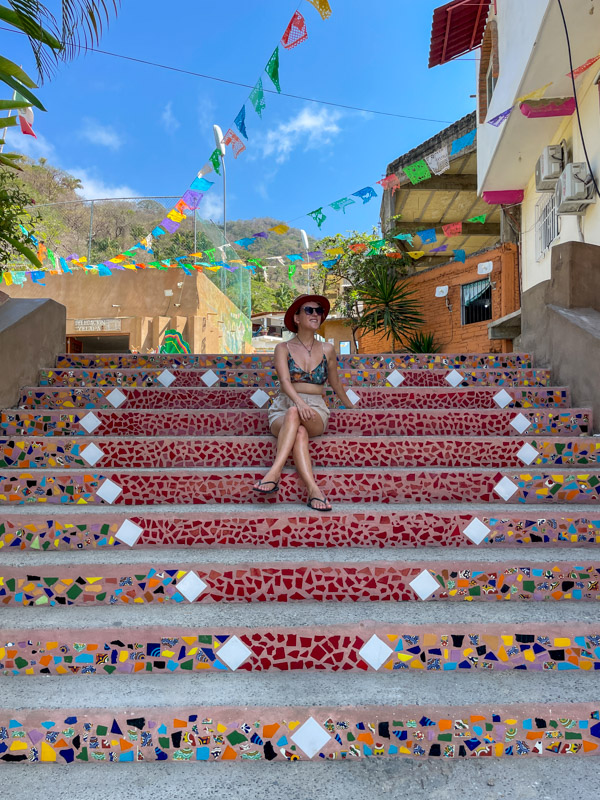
(450, 334)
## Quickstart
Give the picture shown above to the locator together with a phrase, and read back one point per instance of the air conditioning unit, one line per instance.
(549, 168)
(574, 190)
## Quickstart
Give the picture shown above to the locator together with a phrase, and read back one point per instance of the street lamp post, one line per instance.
(221, 148)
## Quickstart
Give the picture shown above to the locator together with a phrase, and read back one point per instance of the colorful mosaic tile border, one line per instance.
(268, 377)
(439, 398)
(234, 422)
(300, 733)
(365, 647)
(266, 361)
(281, 529)
(292, 582)
(326, 451)
(390, 485)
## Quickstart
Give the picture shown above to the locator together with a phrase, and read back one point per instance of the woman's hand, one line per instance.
(305, 411)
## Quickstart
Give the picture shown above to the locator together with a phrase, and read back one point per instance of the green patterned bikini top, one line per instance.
(318, 375)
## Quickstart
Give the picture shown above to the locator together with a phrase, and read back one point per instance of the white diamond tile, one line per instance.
(234, 652)
(191, 586)
(502, 399)
(259, 398)
(129, 533)
(455, 378)
(92, 454)
(424, 584)
(166, 378)
(520, 423)
(311, 737)
(353, 397)
(476, 530)
(210, 378)
(506, 488)
(116, 398)
(375, 652)
(90, 422)
(108, 491)
(528, 454)
(395, 378)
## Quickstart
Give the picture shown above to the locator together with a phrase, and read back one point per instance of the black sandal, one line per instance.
(312, 500)
(266, 491)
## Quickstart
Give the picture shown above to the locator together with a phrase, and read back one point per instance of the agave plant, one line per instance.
(422, 343)
(388, 305)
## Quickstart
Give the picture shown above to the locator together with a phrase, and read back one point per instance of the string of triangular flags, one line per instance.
(538, 94)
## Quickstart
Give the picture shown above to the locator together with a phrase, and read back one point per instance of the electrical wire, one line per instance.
(587, 158)
(249, 86)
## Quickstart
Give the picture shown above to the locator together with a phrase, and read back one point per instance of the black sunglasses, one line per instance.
(308, 310)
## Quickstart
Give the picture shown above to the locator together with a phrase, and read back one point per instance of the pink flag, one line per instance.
(452, 229)
(295, 33)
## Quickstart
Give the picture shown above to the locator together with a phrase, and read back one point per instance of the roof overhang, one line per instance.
(457, 28)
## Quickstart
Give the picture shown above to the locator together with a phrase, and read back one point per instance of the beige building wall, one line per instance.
(134, 304)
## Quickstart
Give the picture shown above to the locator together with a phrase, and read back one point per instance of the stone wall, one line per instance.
(32, 333)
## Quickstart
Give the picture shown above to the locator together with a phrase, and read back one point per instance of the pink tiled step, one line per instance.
(266, 360)
(232, 422)
(268, 377)
(59, 452)
(191, 581)
(276, 527)
(234, 485)
(89, 397)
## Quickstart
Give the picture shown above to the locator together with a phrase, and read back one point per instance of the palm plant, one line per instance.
(420, 342)
(388, 305)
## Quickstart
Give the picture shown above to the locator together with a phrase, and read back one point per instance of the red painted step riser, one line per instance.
(259, 378)
(266, 360)
(326, 451)
(370, 397)
(158, 583)
(225, 422)
(273, 528)
(365, 486)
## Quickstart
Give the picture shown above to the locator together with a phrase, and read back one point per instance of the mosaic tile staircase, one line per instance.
(115, 464)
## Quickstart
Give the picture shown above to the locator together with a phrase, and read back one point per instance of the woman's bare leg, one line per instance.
(302, 460)
(285, 430)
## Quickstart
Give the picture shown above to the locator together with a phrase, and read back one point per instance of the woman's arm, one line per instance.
(334, 378)
(287, 387)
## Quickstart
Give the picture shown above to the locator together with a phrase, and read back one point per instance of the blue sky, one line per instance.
(130, 129)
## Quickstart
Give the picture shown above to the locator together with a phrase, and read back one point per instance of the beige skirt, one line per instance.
(282, 403)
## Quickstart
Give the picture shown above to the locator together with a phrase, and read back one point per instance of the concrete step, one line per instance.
(58, 452)
(268, 377)
(266, 360)
(367, 647)
(230, 422)
(91, 397)
(169, 582)
(203, 733)
(362, 485)
(79, 528)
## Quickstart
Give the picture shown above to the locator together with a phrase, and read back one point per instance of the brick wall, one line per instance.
(450, 334)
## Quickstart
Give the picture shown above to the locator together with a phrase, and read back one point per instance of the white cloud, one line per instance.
(34, 148)
(310, 129)
(93, 188)
(169, 120)
(211, 206)
(103, 135)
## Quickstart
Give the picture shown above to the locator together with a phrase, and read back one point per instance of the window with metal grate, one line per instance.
(476, 305)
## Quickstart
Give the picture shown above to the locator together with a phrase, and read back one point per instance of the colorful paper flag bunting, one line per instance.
(441, 249)
(452, 229)
(331, 262)
(428, 236)
(580, 70)
(318, 216)
(536, 94)
(366, 194)
(280, 229)
(295, 33)
(438, 162)
(358, 247)
(272, 69)
(460, 255)
(322, 7)
(200, 185)
(416, 254)
(376, 247)
(463, 142)
(294, 257)
(335, 251)
(261, 235)
(169, 225)
(291, 271)
(232, 140)
(193, 198)
(390, 182)
(417, 172)
(245, 242)
(257, 98)
(498, 120)
(479, 218)
(240, 121)
(340, 205)
(215, 160)
(405, 237)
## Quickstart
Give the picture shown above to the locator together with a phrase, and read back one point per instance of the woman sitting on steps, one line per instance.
(299, 412)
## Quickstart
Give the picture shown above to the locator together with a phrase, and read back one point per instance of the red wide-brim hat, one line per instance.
(288, 320)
